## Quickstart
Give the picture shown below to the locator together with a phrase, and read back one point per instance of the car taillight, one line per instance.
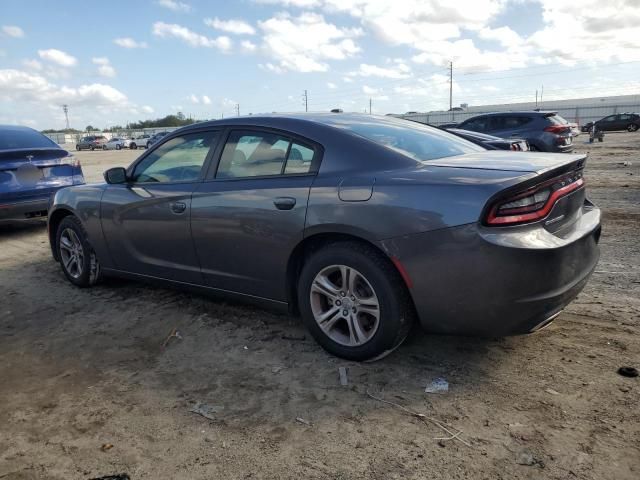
(557, 129)
(73, 161)
(534, 203)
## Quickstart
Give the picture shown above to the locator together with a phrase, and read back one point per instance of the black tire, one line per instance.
(93, 148)
(148, 145)
(104, 147)
(90, 266)
(396, 312)
(78, 148)
(632, 127)
(533, 148)
(118, 147)
(133, 146)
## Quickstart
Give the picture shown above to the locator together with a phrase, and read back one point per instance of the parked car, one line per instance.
(91, 142)
(489, 141)
(116, 143)
(545, 131)
(362, 223)
(142, 141)
(621, 121)
(155, 137)
(32, 167)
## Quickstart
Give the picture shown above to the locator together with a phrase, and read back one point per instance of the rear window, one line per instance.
(420, 142)
(15, 139)
(556, 120)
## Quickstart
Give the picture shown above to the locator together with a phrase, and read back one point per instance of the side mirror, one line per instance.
(116, 175)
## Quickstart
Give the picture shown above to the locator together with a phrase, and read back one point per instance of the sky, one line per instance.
(114, 62)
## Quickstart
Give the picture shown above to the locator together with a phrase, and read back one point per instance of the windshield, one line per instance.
(19, 138)
(415, 140)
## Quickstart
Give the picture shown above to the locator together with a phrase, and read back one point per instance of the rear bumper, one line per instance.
(24, 210)
(474, 280)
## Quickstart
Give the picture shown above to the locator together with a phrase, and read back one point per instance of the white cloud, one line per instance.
(367, 90)
(248, 46)
(33, 64)
(597, 31)
(23, 86)
(58, 56)
(503, 35)
(331, 85)
(196, 100)
(127, 42)
(237, 27)
(170, 30)
(292, 3)
(147, 109)
(12, 31)
(104, 67)
(175, 5)
(305, 43)
(270, 67)
(398, 70)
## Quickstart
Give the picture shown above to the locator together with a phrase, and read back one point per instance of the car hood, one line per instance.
(534, 162)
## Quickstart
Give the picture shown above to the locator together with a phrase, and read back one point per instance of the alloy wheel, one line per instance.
(345, 305)
(632, 127)
(71, 252)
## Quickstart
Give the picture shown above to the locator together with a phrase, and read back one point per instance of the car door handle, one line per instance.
(178, 207)
(284, 203)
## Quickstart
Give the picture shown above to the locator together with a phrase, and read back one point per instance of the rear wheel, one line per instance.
(133, 146)
(78, 147)
(148, 144)
(118, 146)
(632, 127)
(77, 258)
(354, 302)
(104, 147)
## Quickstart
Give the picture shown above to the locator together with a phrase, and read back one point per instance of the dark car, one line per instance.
(360, 223)
(91, 142)
(155, 137)
(621, 121)
(489, 141)
(32, 167)
(544, 131)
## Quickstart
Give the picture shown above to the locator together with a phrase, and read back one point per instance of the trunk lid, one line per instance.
(529, 162)
(35, 172)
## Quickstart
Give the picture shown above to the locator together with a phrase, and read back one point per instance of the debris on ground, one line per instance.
(106, 446)
(277, 369)
(121, 476)
(438, 385)
(303, 421)
(205, 410)
(294, 337)
(552, 391)
(344, 381)
(174, 334)
(628, 372)
(453, 435)
(527, 458)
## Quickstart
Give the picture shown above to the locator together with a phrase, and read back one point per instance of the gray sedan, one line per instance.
(361, 224)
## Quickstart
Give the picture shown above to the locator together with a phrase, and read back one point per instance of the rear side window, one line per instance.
(18, 138)
(412, 139)
(513, 122)
(480, 124)
(260, 154)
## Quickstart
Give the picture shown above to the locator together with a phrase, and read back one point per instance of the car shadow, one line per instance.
(17, 228)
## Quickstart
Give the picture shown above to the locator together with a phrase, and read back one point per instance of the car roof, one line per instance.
(517, 112)
(299, 120)
(20, 128)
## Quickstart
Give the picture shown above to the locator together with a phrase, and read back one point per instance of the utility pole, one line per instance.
(369, 105)
(65, 109)
(305, 99)
(450, 86)
(541, 93)
(238, 109)
(536, 98)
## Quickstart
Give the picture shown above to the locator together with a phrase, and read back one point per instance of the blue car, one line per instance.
(32, 168)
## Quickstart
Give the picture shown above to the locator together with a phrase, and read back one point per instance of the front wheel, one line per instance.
(78, 147)
(632, 127)
(133, 146)
(77, 258)
(104, 147)
(354, 302)
(118, 147)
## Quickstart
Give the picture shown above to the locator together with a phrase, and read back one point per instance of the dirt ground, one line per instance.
(80, 369)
